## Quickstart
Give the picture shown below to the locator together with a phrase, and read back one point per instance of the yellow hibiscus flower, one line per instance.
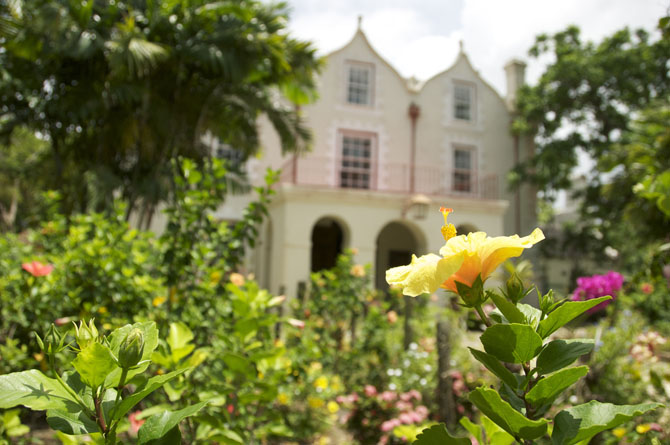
(463, 258)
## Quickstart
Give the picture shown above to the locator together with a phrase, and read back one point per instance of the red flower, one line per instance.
(135, 423)
(37, 269)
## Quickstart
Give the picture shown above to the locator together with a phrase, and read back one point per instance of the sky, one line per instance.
(421, 37)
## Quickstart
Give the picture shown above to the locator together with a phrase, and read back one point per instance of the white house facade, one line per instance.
(387, 153)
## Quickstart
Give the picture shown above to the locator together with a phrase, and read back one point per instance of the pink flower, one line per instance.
(370, 391)
(296, 323)
(413, 393)
(135, 423)
(37, 269)
(62, 321)
(389, 425)
(655, 427)
(405, 418)
(388, 396)
(422, 410)
(647, 288)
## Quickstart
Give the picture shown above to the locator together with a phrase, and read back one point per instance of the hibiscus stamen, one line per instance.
(448, 229)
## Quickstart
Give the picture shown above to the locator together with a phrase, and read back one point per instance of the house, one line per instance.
(387, 153)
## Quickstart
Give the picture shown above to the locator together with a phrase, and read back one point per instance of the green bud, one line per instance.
(547, 302)
(131, 349)
(86, 334)
(514, 288)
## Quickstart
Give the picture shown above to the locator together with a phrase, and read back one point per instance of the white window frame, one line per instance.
(357, 92)
(354, 170)
(464, 175)
(466, 103)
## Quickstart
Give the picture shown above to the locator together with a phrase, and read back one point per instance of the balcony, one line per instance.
(326, 172)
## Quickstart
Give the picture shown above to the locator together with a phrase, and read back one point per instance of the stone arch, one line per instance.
(465, 228)
(396, 242)
(330, 236)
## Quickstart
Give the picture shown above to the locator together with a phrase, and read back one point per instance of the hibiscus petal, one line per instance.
(424, 274)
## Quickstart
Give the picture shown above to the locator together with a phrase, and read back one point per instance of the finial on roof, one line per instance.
(360, 21)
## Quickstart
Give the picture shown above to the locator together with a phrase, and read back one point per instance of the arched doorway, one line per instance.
(466, 228)
(396, 243)
(327, 243)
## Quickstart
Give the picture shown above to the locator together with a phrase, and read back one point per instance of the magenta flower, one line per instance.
(596, 286)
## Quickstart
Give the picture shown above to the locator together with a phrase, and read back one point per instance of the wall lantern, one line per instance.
(416, 207)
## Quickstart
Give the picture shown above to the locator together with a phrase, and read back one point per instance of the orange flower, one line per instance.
(463, 258)
(37, 269)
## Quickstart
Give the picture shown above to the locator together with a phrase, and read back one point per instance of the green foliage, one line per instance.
(11, 426)
(438, 435)
(119, 90)
(90, 400)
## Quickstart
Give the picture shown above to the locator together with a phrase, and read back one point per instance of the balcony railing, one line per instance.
(390, 177)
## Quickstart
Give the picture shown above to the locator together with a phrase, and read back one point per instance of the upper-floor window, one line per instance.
(463, 101)
(464, 172)
(357, 166)
(360, 82)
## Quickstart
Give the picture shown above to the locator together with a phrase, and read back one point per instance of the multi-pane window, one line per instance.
(356, 164)
(463, 170)
(359, 84)
(463, 95)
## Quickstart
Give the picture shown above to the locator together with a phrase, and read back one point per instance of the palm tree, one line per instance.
(119, 89)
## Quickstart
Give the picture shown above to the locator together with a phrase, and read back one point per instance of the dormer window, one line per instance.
(360, 78)
(463, 102)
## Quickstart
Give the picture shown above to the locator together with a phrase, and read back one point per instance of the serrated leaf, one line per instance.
(94, 363)
(439, 435)
(151, 385)
(494, 365)
(558, 354)
(512, 343)
(496, 435)
(472, 428)
(161, 424)
(489, 402)
(582, 422)
(34, 390)
(509, 310)
(566, 313)
(548, 388)
(71, 423)
(531, 313)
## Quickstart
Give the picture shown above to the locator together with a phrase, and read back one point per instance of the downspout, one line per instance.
(414, 112)
(517, 193)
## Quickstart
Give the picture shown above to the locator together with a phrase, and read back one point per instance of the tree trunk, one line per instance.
(445, 397)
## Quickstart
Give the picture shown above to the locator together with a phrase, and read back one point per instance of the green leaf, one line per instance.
(582, 422)
(438, 435)
(472, 428)
(239, 363)
(489, 402)
(496, 435)
(509, 310)
(548, 388)
(151, 385)
(179, 337)
(558, 354)
(71, 423)
(34, 390)
(512, 343)
(94, 363)
(565, 313)
(494, 365)
(161, 424)
(531, 313)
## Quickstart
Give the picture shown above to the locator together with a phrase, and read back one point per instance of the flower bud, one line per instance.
(515, 288)
(131, 349)
(86, 334)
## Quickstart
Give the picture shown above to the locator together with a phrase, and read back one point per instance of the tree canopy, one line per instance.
(118, 89)
(610, 101)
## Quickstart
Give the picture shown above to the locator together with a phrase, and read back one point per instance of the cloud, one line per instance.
(420, 38)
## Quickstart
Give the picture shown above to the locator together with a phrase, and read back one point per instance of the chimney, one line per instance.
(515, 71)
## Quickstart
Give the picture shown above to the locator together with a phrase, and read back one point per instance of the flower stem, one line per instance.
(482, 315)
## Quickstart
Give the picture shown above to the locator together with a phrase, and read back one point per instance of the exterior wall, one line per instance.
(310, 188)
